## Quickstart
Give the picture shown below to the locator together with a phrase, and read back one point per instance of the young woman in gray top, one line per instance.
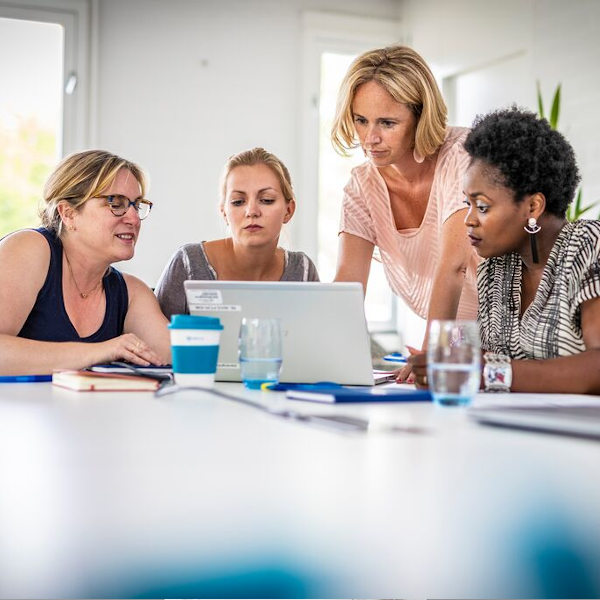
(257, 199)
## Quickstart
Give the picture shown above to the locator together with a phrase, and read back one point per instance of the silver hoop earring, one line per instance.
(532, 228)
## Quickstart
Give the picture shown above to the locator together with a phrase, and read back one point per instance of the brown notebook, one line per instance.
(86, 381)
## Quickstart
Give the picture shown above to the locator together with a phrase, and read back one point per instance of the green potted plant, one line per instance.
(575, 210)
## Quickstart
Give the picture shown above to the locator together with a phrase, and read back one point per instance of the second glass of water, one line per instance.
(453, 361)
(260, 351)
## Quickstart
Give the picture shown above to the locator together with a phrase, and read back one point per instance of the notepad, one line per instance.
(85, 381)
(121, 367)
(328, 394)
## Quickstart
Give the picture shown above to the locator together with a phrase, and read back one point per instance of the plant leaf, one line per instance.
(574, 211)
(570, 213)
(581, 212)
(539, 100)
(555, 111)
(578, 200)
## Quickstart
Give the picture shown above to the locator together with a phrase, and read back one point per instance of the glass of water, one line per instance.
(453, 361)
(260, 351)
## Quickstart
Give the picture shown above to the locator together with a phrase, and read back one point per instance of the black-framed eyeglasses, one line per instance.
(119, 205)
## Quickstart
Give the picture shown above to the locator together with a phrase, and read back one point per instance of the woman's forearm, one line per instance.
(354, 259)
(445, 296)
(576, 374)
(21, 356)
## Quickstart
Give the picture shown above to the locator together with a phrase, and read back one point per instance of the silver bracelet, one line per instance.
(497, 373)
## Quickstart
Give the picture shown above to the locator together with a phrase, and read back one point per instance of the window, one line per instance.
(30, 116)
(478, 90)
(334, 171)
(42, 100)
(330, 43)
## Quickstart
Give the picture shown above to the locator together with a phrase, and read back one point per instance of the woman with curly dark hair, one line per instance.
(539, 287)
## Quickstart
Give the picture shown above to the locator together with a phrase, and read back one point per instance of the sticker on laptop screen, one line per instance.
(205, 297)
(215, 308)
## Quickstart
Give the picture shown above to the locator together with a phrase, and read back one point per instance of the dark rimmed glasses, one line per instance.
(119, 205)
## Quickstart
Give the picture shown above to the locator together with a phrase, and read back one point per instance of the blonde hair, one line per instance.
(258, 156)
(79, 177)
(406, 77)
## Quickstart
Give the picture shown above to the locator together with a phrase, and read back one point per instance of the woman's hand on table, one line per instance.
(417, 361)
(131, 348)
(406, 374)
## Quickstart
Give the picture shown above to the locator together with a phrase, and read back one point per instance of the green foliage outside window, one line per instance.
(27, 156)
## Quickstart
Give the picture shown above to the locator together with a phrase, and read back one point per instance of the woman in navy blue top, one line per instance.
(62, 305)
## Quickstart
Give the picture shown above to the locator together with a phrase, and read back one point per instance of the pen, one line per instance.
(395, 357)
(283, 387)
(24, 378)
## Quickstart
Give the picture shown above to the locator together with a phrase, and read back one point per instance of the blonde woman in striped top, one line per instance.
(539, 285)
(407, 198)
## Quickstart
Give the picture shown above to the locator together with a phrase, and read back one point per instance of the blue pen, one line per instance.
(283, 387)
(395, 357)
(24, 378)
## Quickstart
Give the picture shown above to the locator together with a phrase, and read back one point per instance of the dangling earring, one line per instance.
(419, 158)
(532, 228)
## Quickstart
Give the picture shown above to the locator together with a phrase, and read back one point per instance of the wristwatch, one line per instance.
(497, 373)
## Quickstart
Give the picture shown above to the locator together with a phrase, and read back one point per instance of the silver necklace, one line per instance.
(83, 295)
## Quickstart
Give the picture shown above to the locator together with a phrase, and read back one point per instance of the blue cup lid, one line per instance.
(194, 322)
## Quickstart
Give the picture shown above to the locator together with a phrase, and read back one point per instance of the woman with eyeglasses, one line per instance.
(62, 304)
(257, 199)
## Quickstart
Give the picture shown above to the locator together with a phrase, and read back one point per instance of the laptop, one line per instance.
(324, 330)
(579, 420)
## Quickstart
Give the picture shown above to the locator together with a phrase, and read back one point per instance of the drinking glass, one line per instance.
(260, 351)
(453, 361)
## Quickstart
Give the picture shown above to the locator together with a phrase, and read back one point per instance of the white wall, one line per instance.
(181, 85)
(567, 50)
(521, 41)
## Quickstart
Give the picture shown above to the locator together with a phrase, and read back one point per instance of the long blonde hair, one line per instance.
(79, 177)
(406, 77)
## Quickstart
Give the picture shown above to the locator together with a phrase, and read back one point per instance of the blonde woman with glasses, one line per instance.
(407, 198)
(257, 199)
(62, 305)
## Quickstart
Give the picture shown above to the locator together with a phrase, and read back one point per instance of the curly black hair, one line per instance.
(529, 155)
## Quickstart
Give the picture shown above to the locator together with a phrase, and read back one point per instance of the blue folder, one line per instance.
(333, 394)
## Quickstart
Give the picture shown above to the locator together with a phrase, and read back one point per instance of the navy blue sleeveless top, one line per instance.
(48, 320)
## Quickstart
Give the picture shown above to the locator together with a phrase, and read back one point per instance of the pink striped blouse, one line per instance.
(410, 256)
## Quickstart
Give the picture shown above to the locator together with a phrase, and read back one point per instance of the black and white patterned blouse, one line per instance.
(551, 324)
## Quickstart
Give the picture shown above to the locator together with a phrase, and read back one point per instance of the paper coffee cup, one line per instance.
(195, 349)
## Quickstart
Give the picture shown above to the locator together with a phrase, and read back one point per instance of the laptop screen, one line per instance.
(325, 335)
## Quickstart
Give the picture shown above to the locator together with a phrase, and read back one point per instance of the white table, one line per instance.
(110, 494)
